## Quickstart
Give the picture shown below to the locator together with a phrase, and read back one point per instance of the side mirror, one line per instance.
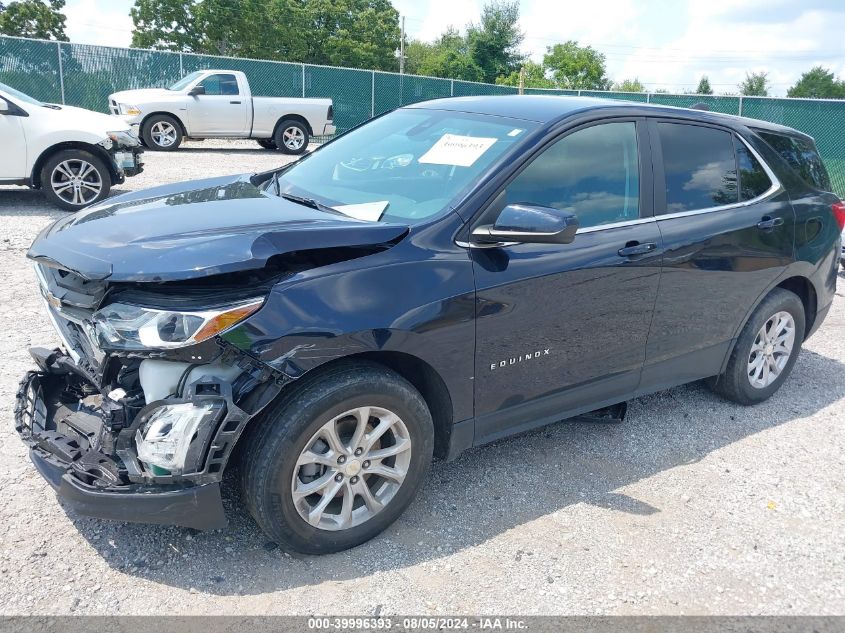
(529, 224)
(197, 90)
(4, 105)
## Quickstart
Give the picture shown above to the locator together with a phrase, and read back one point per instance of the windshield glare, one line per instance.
(19, 96)
(406, 166)
(183, 83)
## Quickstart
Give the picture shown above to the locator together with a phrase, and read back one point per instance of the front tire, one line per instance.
(292, 137)
(162, 133)
(74, 179)
(765, 351)
(338, 459)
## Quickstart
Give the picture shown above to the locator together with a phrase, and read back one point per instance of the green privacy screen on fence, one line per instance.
(84, 75)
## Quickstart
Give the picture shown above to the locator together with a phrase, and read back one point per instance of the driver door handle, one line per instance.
(632, 249)
(235, 102)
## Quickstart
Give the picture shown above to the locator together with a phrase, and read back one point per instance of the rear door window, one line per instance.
(802, 156)
(699, 165)
(753, 179)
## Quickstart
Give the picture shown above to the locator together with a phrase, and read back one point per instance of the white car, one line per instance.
(219, 104)
(73, 155)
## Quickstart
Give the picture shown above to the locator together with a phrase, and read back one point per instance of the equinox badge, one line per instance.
(518, 359)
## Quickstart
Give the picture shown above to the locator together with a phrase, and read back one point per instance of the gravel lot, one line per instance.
(692, 506)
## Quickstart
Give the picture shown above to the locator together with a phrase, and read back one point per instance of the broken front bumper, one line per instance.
(75, 446)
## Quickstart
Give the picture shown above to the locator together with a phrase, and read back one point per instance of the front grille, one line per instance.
(115, 109)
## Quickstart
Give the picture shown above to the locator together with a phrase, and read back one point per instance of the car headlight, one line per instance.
(130, 327)
(125, 138)
(131, 110)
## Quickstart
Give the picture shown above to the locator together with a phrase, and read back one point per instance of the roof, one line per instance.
(550, 108)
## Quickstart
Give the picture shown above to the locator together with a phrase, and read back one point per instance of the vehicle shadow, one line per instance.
(20, 201)
(486, 492)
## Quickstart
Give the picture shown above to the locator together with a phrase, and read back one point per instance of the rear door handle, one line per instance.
(632, 249)
(768, 223)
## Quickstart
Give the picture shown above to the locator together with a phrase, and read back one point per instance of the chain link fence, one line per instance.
(84, 75)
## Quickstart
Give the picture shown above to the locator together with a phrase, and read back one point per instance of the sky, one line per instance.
(665, 44)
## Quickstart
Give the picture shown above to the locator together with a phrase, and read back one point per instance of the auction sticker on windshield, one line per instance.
(460, 151)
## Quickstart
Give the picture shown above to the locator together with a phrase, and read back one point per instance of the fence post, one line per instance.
(452, 89)
(648, 97)
(61, 71)
(303, 81)
(181, 67)
(373, 97)
(579, 93)
(740, 105)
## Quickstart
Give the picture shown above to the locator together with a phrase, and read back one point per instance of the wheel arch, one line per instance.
(96, 150)
(797, 284)
(175, 117)
(293, 117)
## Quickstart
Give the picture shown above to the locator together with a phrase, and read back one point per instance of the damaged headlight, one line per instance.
(126, 138)
(165, 439)
(129, 327)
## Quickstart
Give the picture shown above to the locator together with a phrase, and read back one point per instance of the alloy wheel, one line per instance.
(76, 181)
(164, 134)
(351, 468)
(771, 350)
(293, 138)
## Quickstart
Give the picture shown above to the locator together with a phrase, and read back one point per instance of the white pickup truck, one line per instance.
(73, 155)
(219, 104)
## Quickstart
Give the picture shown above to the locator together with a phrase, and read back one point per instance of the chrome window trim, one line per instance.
(775, 188)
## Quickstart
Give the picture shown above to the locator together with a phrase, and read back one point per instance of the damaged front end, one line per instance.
(137, 419)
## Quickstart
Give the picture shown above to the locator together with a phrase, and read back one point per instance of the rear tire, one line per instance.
(162, 133)
(74, 179)
(292, 137)
(267, 143)
(765, 351)
(310, 437)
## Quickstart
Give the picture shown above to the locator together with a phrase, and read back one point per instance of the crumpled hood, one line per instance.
(195, 229)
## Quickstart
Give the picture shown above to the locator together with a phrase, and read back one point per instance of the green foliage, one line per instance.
(755, 85)
(818, 83)
(704, 86)
(494, 43)
(448, 56)
(577, 67)
(629, 85)
(535, 77)
(356, 33)
(34, 18)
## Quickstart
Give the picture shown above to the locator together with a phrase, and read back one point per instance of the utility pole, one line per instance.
(522, 80)
(402, 49)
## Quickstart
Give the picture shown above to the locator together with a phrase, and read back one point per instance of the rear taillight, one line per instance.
(330, 115)
(839, 213)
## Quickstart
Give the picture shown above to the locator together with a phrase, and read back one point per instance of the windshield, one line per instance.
(183, 83)
(19, 96)
(408, 165)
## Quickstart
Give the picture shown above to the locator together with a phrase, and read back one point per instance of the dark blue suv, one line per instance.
(445, 275)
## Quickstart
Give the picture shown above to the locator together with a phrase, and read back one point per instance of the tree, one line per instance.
(494, 42)
(448, 56)
(577, 67)
(818, 83)
(755, 85)
(704, 86)
(535, 77)
(34, 18)
(630, 85)
(357, 33)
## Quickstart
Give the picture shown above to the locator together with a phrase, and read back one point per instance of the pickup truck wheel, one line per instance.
(73, 179)
(268, 143)
(765, 351)
(338, 459)
(162, 133)
(291, 137)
